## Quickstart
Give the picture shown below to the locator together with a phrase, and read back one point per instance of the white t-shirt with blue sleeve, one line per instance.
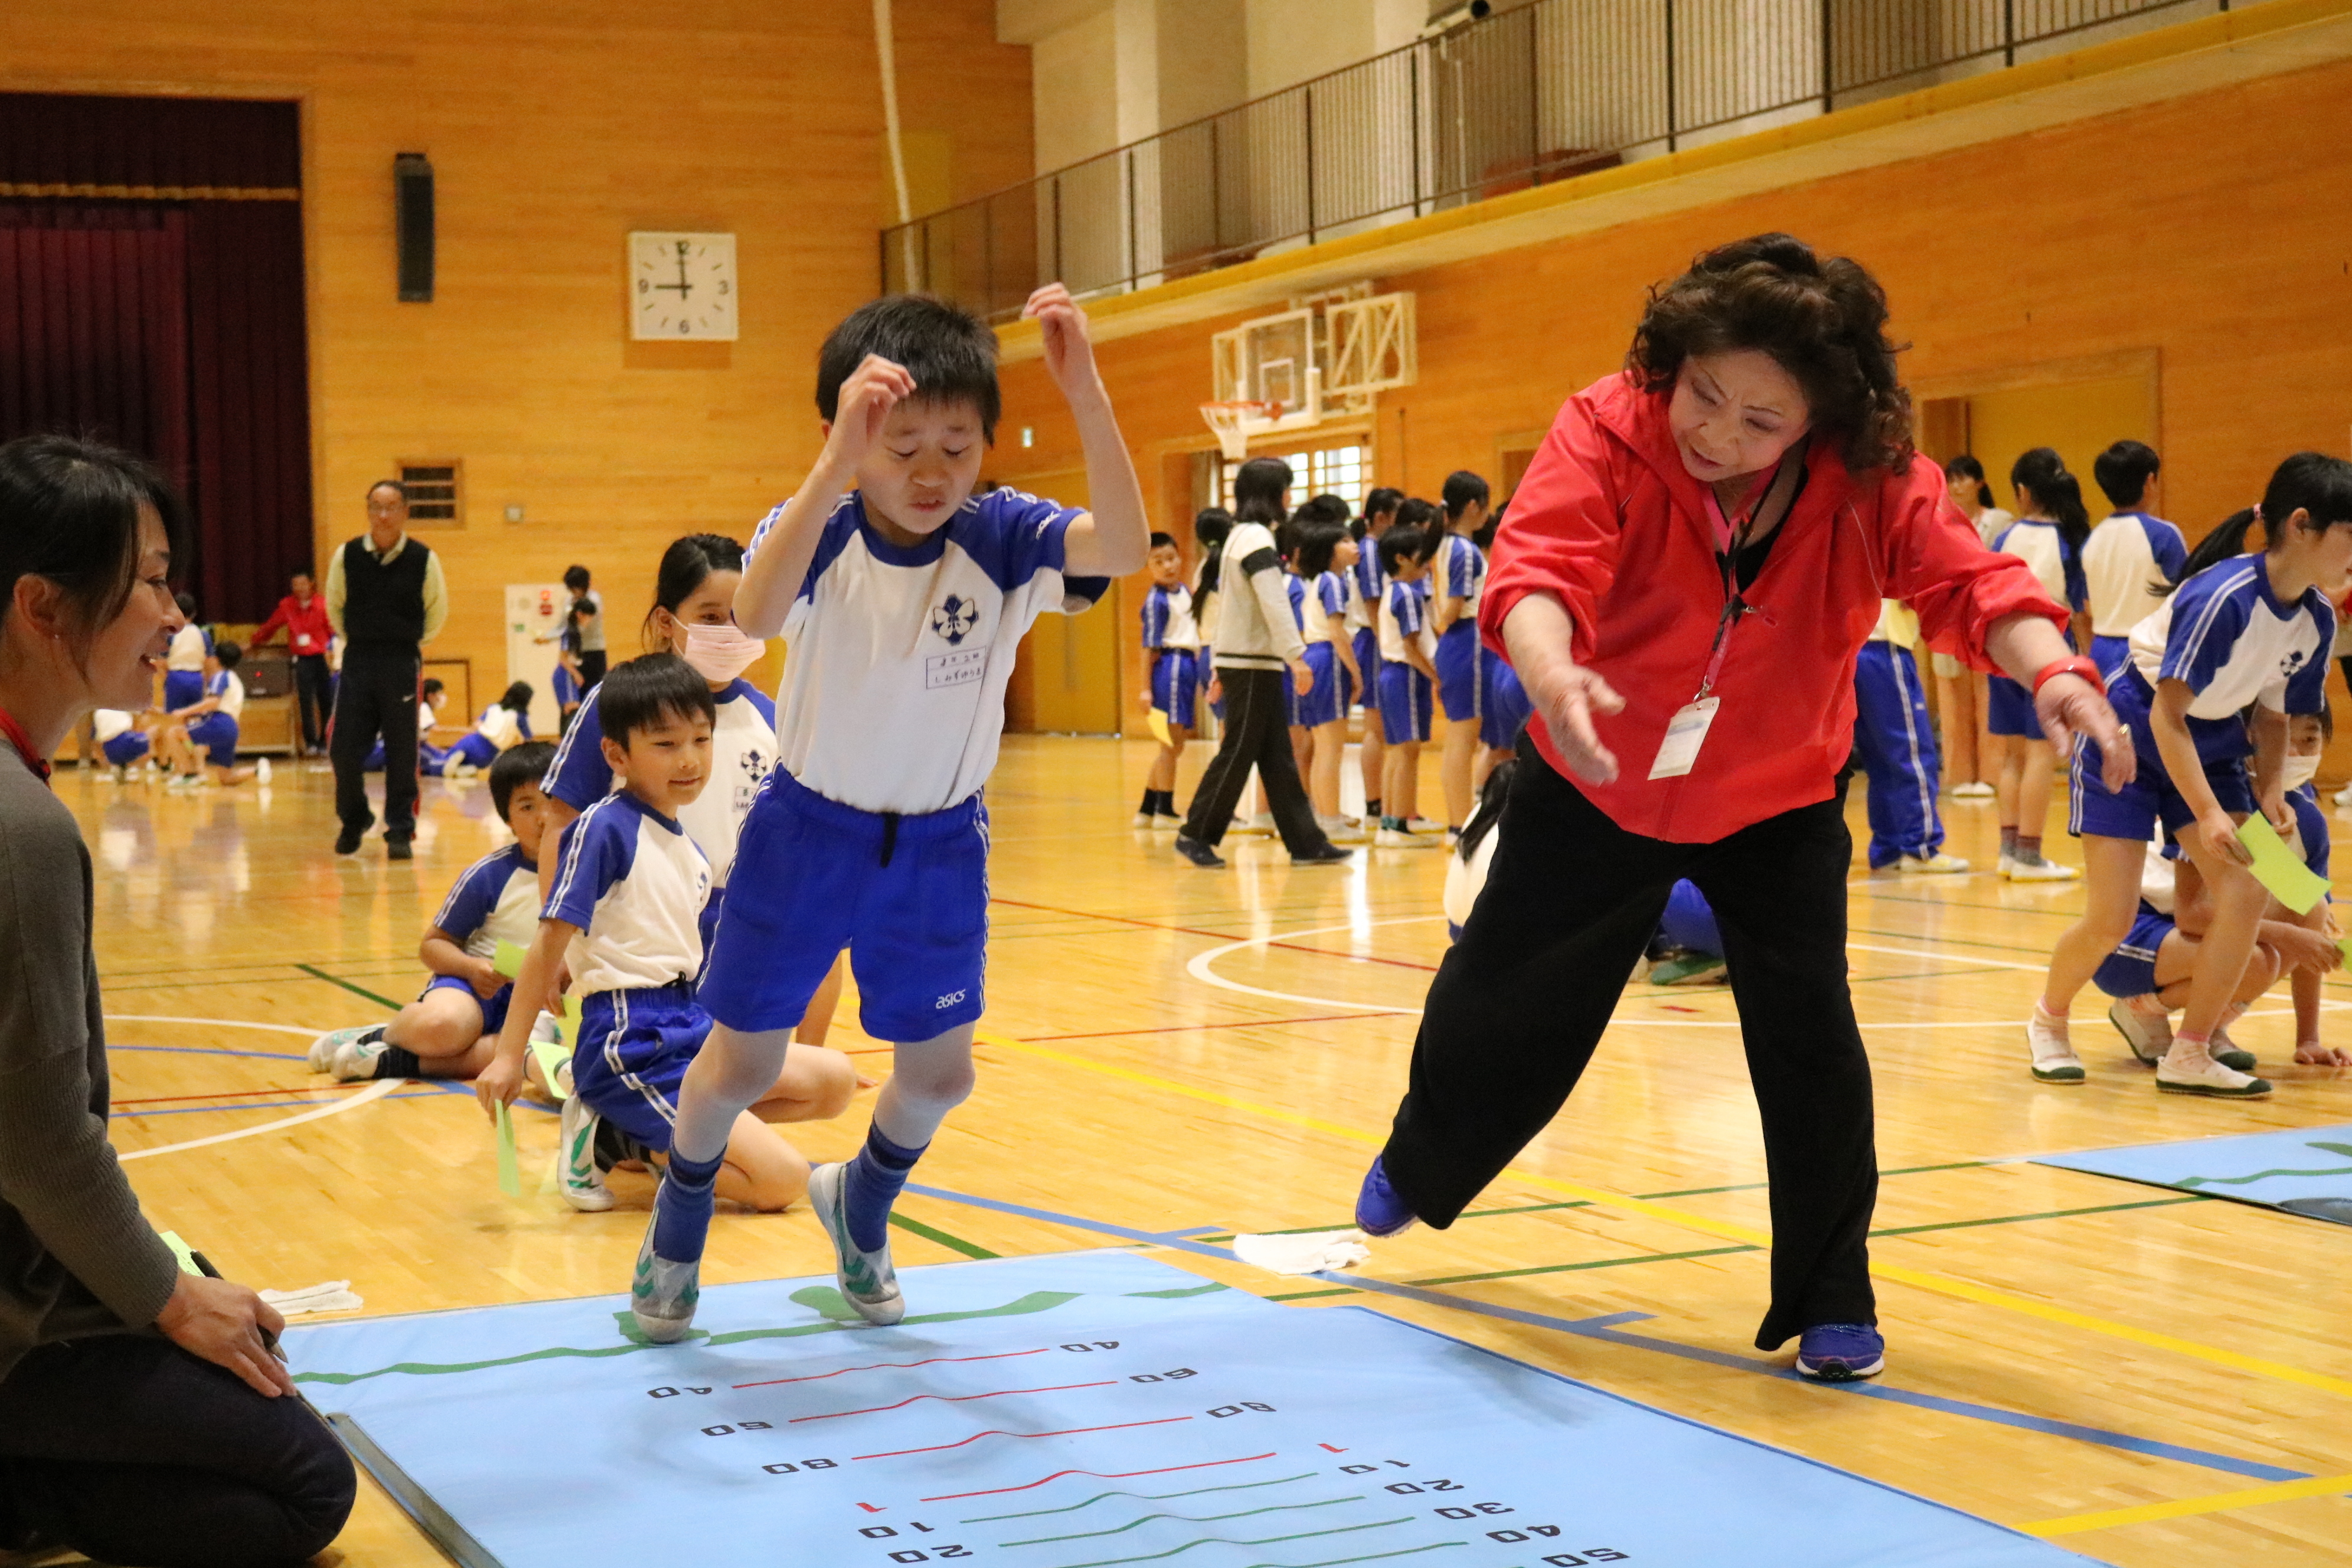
(1407, 616)
(1461, 568)
(1168, 623)
(2224, 636)
(634, 883)
(497, 899)
(2128, 554)
(230, 689)
(2042, 546)
(742, 750)
(1366, 583)
(893, 698)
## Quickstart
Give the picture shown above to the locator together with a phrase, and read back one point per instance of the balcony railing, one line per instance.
(1527, 97)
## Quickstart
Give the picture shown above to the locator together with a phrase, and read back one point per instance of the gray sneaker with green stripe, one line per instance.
(868, 1281)
(662, 1294)
(581, 1182)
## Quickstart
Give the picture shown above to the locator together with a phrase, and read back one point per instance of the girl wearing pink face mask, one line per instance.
(693, 616)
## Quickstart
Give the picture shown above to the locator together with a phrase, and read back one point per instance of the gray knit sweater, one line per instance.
(76, 1256)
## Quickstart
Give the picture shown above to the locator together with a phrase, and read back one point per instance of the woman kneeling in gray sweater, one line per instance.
(142, 1417)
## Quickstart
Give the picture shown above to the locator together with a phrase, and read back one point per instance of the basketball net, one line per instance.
(1234, 421)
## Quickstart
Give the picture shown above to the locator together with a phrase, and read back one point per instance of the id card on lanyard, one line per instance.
(1686, 730)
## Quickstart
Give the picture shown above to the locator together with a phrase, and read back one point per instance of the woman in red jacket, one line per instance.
(1686, 574)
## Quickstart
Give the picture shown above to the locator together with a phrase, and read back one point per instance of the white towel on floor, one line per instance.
(334, 1296)
(1312, 1254)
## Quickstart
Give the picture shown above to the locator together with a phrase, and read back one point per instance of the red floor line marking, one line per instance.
(950, 1399)
(1236, 1023)
(229, 1094)
(1217, 935)
(976, 1437)
(1098, 1475)
(883, 1365)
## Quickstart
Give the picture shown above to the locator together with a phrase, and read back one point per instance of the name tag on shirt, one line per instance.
(960, 667)
(1685, 733)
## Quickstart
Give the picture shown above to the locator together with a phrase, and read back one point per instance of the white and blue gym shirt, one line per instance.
(742, 750)
(2128, 554)
(2224, 634)
(496, 901)
(634, 883)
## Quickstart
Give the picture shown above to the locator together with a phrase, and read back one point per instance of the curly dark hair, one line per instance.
(1823, 318)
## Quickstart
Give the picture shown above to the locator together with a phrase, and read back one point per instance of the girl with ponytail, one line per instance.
(2240, 630)
(2048, 536)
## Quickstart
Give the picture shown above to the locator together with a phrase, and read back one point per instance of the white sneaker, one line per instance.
(1936, 864)
(2225, 1050)
(1391, 839)
(2148, 1033)
(261, 770)
(1145, 818)
(2006, 864)
(1421, 825)
(2055, 1060)
(1257, 826)
(2038, 870)
(582, 1183)
(350, 1054)
(868, 1281)
(1340, 829)
(1975, 789)
(2343, 797)
(1163, 823)
(121, 776)
(2182, 1073)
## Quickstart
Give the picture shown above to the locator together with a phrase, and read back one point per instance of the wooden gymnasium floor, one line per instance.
(1172, 1051)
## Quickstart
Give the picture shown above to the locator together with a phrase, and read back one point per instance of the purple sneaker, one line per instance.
(1378, 1210)
(1841, 1352)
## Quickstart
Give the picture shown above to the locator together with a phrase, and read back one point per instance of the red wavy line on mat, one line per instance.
(881, 1365)
(951, 1399)
(1218, 935)
(976, 1437)
(1098, 1475)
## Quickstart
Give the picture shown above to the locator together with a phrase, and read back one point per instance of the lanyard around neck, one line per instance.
(14, 734)
(1729, 544)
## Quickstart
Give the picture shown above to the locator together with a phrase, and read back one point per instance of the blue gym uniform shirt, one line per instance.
(633, 882)
(1405, 690)
(2128, 553)
(1327, 701)
(496, 900)
(217, 732)
(1366, 585)
(871, 833)
(742, 750)
(1170, 631)
(2225, 636)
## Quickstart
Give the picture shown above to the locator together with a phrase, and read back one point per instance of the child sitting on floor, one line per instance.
(209, 725)
(452, 1027)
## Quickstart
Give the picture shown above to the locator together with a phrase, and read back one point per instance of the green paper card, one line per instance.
(510, 958)
(510, 1172)
(183, 1251)
(2290, 881)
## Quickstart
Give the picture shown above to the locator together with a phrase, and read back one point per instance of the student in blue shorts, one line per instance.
(121, 741)
(904, 601)
(1171, 650)
(1407, 679)
(503, 724)
(2048, 536)
(2132, 557)
(625, 919)
(452, 1027)
(1323, 554)
(1366, 585)
(1458, 582)
(203, 735)
(2307, 735)
(2240, 630)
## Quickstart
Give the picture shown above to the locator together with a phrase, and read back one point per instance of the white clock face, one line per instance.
(682, 287)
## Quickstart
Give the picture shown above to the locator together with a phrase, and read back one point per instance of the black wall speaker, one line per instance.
(412, 203)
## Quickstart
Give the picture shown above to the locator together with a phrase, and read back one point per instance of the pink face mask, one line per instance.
(721, 653)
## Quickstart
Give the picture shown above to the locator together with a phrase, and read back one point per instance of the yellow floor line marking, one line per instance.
(1921, 1279)
(2108, 1519)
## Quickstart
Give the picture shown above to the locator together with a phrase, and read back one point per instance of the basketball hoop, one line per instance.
(1233, 421)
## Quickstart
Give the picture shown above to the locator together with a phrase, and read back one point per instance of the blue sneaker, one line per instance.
(1841, 1352)
(1378, 1210)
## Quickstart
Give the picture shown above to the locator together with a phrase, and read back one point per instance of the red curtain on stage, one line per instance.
(152, 294)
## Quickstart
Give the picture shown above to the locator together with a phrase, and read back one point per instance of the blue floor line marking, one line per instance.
(259, 1105)
(1605, 1329)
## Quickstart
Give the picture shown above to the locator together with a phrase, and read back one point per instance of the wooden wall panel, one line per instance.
(554, 128)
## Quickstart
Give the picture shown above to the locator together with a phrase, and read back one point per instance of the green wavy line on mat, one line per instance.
(1142, 1497)
(1269, 1540)
(1186, 1519)
(2265, 1175)
(1374, 1557)
(1179, 1292)
(1035, 1302)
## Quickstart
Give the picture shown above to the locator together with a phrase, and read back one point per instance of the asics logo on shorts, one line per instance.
(949, 1000)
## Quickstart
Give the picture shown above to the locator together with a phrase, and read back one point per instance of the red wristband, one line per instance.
(2075, 665)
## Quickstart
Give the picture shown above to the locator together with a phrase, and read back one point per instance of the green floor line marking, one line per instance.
(1269, 1540)
(1186, 1519)
(2265, 1175)
(1143, 1496)
(1035, 1302)
(2017, 1218)
(1759, 1186)
(932, 1233)
(1465, 1213)
(1932, 974)
(1953, 1165)
(316, 973)
(1180, 1291)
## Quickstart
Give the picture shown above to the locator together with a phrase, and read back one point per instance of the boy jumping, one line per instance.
(904, 600)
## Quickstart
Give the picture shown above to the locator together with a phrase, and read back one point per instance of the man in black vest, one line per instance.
(386, 597)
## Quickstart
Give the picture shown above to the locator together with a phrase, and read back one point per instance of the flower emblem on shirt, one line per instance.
(954, 617)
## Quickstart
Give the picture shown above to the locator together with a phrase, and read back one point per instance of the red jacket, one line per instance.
(1608, 518)
(306, 630)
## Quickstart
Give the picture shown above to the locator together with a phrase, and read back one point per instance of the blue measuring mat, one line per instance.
(2306, 1170)
(1084, 1410)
